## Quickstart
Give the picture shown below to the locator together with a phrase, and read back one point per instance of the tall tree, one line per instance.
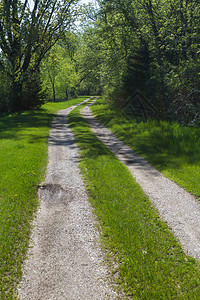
(153, 45)
(60, 77)
(28, 29)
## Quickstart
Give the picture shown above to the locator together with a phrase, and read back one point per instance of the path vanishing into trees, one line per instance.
(65, 259)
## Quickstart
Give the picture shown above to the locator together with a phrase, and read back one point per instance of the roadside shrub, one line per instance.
(184, 93)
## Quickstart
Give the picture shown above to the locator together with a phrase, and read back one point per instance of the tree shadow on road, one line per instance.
(86, 140)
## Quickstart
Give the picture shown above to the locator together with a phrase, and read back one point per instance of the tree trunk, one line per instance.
(54, 92)
(67, 97)
(161, 92)
(17, 97)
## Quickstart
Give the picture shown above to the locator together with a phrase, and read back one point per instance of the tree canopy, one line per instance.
(118, 48)
(28, 30)
(152, 47)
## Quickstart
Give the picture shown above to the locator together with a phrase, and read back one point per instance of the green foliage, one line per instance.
(27, 32)
(122, 47)
(30, 90)
(5, 88)
(150, 46)
(184, 90)
(88, 62)
(59, 75)
(149, 263)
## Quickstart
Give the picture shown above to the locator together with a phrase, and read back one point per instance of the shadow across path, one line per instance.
(176, 206)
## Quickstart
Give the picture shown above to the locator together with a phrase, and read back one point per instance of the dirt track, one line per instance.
(176, 206)
(65, 261)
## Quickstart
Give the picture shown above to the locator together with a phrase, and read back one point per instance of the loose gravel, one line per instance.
(65, 260)
(175, 206)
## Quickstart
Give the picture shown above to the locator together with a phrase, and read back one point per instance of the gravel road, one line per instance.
(177, 207)
(65, 260)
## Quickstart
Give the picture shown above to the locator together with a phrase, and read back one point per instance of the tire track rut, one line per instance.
(177, 207)
(65, 260)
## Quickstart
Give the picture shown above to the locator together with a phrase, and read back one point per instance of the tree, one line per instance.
(152, 46)
(59, 72)
(28, 30)
(50, 70)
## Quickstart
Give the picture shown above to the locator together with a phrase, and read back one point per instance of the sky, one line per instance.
(87, 1)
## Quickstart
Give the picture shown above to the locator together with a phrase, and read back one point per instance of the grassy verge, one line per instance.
(23, 160)
(151, 264)
(171, 148)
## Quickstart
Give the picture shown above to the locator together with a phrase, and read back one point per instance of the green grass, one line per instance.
(171, 148)
(23, 160)
(151, 264)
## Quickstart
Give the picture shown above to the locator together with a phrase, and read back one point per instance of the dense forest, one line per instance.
(147, 51)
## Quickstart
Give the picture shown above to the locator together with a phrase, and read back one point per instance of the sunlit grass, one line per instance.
(170, 147)
(149, 262)
(23, 160)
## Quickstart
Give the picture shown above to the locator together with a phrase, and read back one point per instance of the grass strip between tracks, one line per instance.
(23, 161)
(150, 262)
